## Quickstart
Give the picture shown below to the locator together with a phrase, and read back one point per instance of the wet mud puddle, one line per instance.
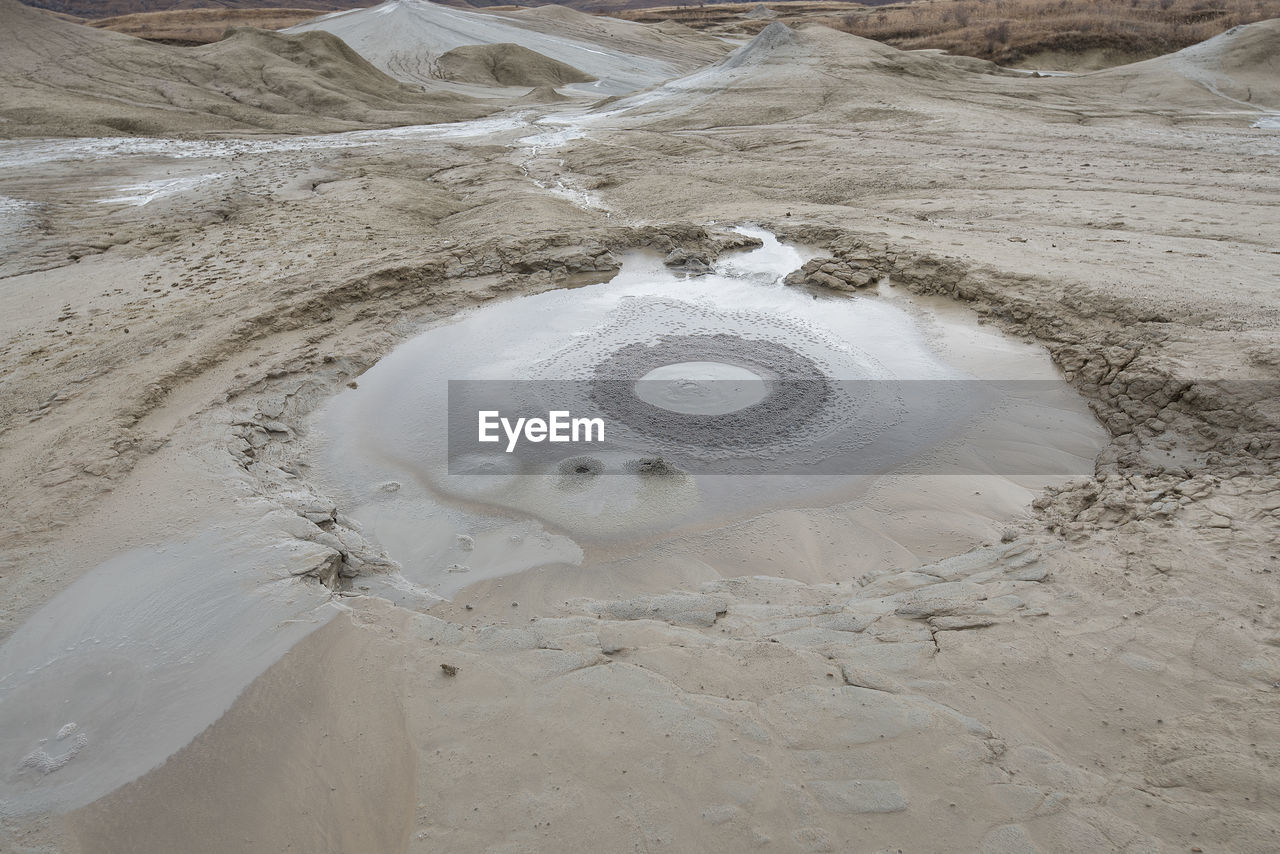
(847, 434)
(731, 403)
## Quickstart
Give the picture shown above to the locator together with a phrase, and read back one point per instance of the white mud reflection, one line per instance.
(383, 445)
(553, 176)
(131, 662)
(534, 151)
(15, 218)
(27, 153)
(145, 193)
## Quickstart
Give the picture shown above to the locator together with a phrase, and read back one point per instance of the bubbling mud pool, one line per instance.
(729, 400)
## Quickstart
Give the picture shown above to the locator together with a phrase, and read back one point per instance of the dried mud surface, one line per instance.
(65, 79)
(1106, 678)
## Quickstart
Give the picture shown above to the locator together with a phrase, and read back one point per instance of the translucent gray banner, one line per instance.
(745, 426)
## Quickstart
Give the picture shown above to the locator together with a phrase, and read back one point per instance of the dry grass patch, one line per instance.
(719, 16)
(201, 26)
(1013, 31)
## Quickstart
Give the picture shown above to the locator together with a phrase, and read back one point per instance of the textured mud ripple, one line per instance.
(796, 393)
(824, 396)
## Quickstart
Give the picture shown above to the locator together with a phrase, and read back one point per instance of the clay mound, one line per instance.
(785, 53)
(507, 65)
(1236, 69)
(406, 38)
(761, 12)
(684, 48)
(969, 64)
(543, 95)
(785, 74)
(65, 79)
(1249, 53)
(775, 39)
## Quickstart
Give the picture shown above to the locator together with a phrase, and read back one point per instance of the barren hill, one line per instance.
(820, 71)
(1240, 67)
(507, 65)
(65, 79)
(828, 73)
(406, 38)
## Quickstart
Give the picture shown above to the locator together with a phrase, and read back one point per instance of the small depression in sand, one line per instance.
(751, 428)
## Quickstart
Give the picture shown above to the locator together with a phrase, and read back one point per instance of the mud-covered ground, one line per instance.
(1104, 678)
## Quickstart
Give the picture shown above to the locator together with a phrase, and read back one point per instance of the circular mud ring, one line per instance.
(797, 391)
(822, 396)
(578, 473)
(653, 467)
(583, 467)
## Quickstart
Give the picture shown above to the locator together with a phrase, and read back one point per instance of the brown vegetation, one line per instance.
(704, 15)
(730, 18)
(1011, 31)
(201, 26)
(91, 9)
(1068, 34)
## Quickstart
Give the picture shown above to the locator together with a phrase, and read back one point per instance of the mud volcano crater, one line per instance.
(705, 384)
(793, 387)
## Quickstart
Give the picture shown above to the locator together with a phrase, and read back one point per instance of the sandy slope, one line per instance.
(834, 74)
(66, 79)
(506, 65)
(1239, 68)
(406, 37)
(1104, 681)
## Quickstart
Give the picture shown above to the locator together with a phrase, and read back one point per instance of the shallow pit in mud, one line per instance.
(750, 428)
